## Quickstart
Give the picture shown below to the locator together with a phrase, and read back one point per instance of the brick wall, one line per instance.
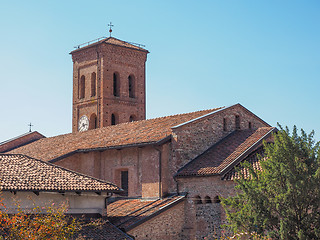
(204, 220)
(104, 60)
(192, 139)
(141, 163)
(20, 141)
(167, 225)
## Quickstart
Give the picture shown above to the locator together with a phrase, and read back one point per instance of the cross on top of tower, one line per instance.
(30, 125)
(110, 29)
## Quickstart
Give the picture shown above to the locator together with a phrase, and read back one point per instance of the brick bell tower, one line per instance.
(108, 84)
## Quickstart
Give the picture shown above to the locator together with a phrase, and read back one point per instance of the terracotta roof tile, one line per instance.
(253, 159)
(139, 132)
(101, 229)
(221, 155)
(19, 141)
(109, 40)
(19, 172)
(118, 42)
(126, 213)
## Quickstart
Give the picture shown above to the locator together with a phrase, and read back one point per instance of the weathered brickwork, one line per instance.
(96, 65)
(167, 225)
(203, 219)
(20, 141)
(142, 165)
(192, 139)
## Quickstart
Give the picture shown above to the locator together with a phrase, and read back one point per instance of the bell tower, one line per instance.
(108, 84)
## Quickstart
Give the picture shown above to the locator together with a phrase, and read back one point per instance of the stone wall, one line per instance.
(192, 139)
(167, 225)
(202, 218)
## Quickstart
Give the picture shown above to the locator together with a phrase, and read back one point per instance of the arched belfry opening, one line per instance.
(116, 84)
(131, 86)
(93, 123)
(82, 87)
(93, 84)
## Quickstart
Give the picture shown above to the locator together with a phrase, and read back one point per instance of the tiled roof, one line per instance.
(19, 141)
(252, 159)
(128, 213)
(110, 40)
(125, 134)
(115, 41)
(225, 153)
(101, 229)
(22, 173)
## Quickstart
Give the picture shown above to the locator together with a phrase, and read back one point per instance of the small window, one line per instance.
(250, 125)
(237, 122)
(116, 85)
(113, 119)
(93, 84)
(224, 124)
(197, 200)
(216, 199)
(125, 181)
(207, 199)
(82, 87)
(132, 118)
(131, 86)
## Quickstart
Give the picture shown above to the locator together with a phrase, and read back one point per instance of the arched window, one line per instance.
(216, 199)
(93, 121)
(237, 122)
(250, 125)
(131, 85)
(207, 199)
(113, 119)
(132, 118)
(224, 124)
(93, 84)
(116, 84)
(197, 200)
(82, 87)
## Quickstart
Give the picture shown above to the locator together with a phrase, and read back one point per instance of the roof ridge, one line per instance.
(179, 114)
(264, 131)
(19, 136)
(134, 122)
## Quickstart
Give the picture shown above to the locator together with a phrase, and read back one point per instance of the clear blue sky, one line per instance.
(203, 54)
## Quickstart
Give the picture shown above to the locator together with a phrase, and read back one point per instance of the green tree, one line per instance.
(283, 200)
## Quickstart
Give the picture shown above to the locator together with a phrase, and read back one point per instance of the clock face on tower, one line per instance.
(83, 124)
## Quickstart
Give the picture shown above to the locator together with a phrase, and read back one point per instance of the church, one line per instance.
(172, 170)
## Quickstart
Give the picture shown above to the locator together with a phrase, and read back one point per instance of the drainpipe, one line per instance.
(160, 168)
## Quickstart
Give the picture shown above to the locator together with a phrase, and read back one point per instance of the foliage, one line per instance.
(55, 224)
(282, 201)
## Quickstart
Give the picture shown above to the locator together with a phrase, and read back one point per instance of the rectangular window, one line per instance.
(124, 181)
(224, 124)
(237, 122)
